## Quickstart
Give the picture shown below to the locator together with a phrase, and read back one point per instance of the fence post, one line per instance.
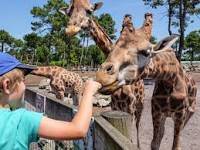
(122, 121)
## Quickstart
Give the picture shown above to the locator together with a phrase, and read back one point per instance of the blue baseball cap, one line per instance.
(8, 63)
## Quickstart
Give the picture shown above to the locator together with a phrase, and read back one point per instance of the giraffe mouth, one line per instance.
(72, 30)
(109, 89)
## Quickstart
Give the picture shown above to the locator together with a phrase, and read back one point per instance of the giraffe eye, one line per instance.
(89, 12)
(144, 53)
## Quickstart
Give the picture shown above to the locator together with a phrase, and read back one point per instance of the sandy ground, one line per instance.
(190, 138)
(35, 80)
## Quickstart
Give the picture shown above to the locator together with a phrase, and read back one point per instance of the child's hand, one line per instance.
(92, 86)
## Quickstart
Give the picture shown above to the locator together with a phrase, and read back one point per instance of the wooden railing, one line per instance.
(102, 135)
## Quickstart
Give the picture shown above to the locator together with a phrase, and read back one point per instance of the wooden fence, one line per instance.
(102, 135)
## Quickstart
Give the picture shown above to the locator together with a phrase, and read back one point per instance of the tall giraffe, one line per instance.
(62, 81)
(175, 91)
(128, 98)
(90, 24)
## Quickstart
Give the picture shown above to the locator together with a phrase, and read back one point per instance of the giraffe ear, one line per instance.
(166, 42)
(97, 6)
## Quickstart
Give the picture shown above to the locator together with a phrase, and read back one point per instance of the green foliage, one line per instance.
(48, 43)
(192, 43)
(48, 18)
(153, 40)
(32, 40)
(62, 63)
(106, 21)
(41, 53)
(50, 23)
(193, 40)
(5, 40)
(190, 8)
(96, 55)
(179, 14)
(73, 58)
(154, 3)
(16, 48)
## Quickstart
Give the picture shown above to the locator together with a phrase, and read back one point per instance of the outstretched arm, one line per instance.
(78, 127)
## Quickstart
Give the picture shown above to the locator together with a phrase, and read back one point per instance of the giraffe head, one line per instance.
(129, 56)
(79, 12)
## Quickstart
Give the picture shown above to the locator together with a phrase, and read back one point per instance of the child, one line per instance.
(18, 128)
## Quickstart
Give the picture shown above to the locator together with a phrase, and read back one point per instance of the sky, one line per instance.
(16, 18)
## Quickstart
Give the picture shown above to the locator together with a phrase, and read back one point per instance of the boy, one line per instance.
(18, 128)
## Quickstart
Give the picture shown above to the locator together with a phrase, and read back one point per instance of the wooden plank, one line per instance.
(112, 139)
(104, 136)
(50, 97)
(122, 121)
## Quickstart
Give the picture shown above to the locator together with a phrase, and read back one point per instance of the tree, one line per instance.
(55, 45)
(192, 43)
(41, 52)
(48, 43)
(179, 15)
(32, 41)
(16, 48)
(48, 17)
(169, 3)
(5, 39)
(153, 40)
(186, 8)
(97, 56)
(107, 22)
(50, 23)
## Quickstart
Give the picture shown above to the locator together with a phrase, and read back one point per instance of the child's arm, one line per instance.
(78, 127)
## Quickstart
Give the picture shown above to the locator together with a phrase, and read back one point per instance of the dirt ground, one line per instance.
(35, 80)
(190, 138)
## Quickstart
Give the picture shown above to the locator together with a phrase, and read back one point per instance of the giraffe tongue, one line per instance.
(72, 30)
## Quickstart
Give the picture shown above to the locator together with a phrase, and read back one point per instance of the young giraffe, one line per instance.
(175, 92)
(62, 81)
(129, 98)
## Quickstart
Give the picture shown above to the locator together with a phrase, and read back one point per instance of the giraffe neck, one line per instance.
(46, 71)
(76, 81)
(100, 36)
(163, 66)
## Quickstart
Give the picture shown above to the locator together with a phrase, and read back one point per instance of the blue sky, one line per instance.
(16, 18)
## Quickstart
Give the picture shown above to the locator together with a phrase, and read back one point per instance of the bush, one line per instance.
(61, 63)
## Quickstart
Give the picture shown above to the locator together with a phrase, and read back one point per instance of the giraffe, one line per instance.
(62, 82)
(129, 98)
(88, 23)
(134, 58)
